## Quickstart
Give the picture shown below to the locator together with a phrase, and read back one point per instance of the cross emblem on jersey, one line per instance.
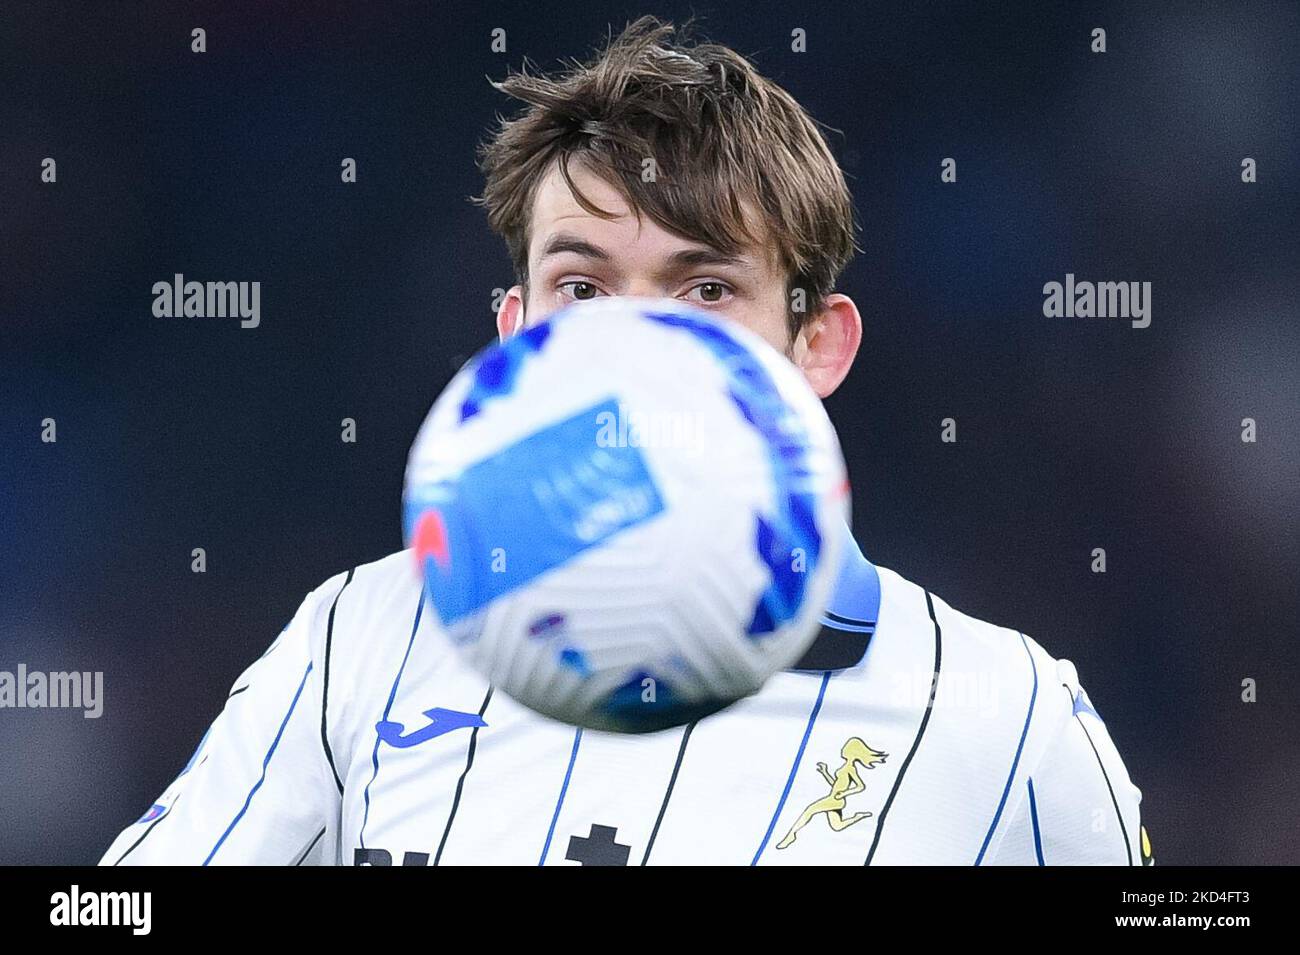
(598, 847)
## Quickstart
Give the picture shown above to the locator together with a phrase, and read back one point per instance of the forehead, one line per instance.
(556, 209)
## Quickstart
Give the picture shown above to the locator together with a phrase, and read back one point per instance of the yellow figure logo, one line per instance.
(844, 783)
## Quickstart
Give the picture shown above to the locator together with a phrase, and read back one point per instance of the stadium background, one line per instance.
(1072, 433)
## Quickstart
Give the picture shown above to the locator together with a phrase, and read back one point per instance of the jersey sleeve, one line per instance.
(260, 788)
(1077, 805)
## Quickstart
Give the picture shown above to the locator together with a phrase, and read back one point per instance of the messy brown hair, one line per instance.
(719, 134)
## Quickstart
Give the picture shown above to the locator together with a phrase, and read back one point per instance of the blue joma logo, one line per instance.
(440, 721)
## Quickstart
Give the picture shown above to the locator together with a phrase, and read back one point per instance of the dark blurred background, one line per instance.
(1072, 433)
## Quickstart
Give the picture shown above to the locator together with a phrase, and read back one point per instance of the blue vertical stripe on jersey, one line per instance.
(1033, 817)
(1033, 697)
(392, 695)
(265, 763)
(568, 773)
(803, 744)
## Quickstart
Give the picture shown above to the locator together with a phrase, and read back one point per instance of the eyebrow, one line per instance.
(693, 258)
(681, 260)
(568, 242)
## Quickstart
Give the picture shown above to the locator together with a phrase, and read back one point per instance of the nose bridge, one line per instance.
(642, 282)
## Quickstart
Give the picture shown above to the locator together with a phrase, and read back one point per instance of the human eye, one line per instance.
(710, 293)
(578, 290)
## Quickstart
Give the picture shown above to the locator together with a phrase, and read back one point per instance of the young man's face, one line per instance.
(574, 255)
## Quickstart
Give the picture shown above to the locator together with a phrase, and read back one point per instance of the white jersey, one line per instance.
(909, 733)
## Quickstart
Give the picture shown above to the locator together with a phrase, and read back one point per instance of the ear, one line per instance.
(510, 316)
(824, 350)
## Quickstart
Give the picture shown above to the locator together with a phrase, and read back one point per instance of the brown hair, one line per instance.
(718, 133)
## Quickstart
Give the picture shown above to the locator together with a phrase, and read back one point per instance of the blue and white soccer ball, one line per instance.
(629, 516)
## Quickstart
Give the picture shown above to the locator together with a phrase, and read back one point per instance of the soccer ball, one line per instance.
(629, 516)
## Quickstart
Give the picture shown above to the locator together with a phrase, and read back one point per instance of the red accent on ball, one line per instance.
(431, 539)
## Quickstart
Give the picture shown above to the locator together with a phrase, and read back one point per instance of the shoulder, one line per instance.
(368, 607)
(368, 596)
(999, 702)
(382, 589)
(1002, 722)
(361, 622)
(364, 625)
(978, 659)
